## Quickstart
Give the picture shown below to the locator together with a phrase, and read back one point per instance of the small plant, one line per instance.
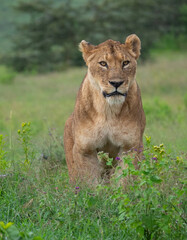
(10, 232)
(152, 206)
(3, 162)
(7, 75)
(104, 157)
(25, 139)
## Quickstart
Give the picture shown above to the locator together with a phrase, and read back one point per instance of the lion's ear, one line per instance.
(86, 49)
(133, 44)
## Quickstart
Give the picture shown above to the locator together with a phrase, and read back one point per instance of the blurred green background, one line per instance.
(42, 35)
(40, 64)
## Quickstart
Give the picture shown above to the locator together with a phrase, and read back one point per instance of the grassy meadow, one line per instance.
(34, 191)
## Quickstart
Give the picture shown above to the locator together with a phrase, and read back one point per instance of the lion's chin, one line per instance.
(115, 100)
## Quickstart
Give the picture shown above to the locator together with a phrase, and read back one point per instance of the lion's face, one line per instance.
(112, 69)
(112, 66)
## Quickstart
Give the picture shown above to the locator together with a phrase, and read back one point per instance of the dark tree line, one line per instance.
(49, 39)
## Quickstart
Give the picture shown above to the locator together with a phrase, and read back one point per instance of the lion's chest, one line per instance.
(109, 135)
(117, 135)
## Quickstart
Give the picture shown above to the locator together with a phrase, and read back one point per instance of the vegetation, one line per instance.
(9, 231)
(35, 193)
(36, 200)
(7, 75)
(150, 206)
(48, 37)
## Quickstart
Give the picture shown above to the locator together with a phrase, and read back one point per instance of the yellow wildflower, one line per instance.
(179, 159)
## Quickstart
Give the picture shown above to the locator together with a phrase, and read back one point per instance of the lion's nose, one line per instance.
(116, 84)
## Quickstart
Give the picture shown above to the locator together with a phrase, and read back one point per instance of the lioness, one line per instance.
(108, 114)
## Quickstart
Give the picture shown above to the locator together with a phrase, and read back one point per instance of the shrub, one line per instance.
(152, 206)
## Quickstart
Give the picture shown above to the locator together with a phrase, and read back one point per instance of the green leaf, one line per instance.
(91, 201)
(8, 225)
(125, 172)
(142, 183)
(146, 172)
(122, 216)
(140, 230)
(2, 225)
(155, 179)
(13, 233)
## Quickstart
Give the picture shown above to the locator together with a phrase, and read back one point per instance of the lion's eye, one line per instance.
(125, 63)
(103, 64)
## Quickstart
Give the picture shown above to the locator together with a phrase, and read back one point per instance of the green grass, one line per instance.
(35, 193)
(163, 85)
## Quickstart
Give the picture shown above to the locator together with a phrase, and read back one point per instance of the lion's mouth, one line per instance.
(116, 93)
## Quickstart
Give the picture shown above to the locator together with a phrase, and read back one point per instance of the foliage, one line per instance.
(7, 75)
(10, 232)
(183, 16)
(25, 139)
(49, 40)
(3, 161)
(153, 204)
(170, 42)
(150, 207)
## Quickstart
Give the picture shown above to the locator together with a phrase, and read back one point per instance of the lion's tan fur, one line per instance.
(111, 124)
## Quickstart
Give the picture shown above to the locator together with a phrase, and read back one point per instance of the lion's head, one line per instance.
(112, 66)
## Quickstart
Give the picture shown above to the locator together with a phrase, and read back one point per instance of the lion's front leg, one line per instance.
(87, 168)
